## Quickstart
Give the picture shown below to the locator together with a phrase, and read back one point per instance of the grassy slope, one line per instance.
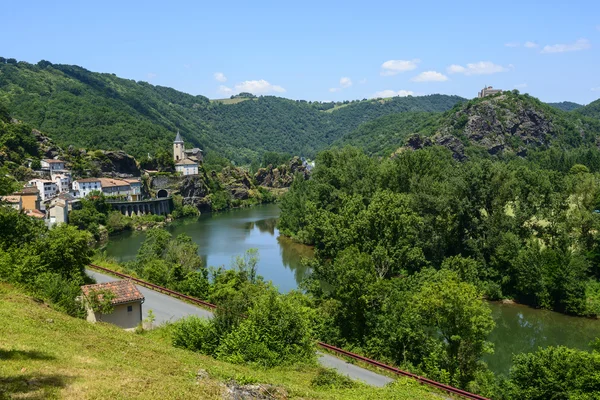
(46, 354)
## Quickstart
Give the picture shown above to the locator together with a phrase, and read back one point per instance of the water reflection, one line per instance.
(221, 237)
(523, 329)
(292, 254)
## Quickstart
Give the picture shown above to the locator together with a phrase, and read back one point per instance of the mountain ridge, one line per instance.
(102, 111)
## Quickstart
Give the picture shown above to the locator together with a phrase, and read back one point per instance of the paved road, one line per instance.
(170, 309)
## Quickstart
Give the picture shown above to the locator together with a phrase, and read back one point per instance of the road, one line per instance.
(170, 309)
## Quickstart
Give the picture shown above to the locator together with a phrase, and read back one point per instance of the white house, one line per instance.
(46, 188)
(63, 181)
(86, 186)
(127, 303)
(186, 167)
(57, 213)
(52, 165)
(115, 187)
(136, 189)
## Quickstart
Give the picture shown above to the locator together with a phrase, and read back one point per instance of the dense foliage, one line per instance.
(407, 247)
(101, 111)
(566, 105)
(48, 263)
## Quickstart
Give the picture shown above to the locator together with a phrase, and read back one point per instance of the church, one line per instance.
(186, 161)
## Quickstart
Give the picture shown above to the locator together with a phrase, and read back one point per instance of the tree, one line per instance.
(66, 251)
(555, 373)
(456, 311)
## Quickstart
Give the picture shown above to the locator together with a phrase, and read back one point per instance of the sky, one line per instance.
(320, 50)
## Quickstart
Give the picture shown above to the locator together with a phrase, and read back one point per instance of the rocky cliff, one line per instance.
(282, 176)
(507, 122)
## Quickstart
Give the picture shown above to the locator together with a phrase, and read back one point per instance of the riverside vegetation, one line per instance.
(253, 354)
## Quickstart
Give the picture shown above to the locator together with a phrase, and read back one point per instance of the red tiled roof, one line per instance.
(35, 213)
(84, 180)
(125, 291)
(52, 161)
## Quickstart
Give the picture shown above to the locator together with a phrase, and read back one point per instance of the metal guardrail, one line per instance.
(375, 363)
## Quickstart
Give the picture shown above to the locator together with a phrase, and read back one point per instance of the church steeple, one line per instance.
(178, 138)
(178, 152)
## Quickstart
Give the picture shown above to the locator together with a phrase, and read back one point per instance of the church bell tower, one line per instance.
(178, 148)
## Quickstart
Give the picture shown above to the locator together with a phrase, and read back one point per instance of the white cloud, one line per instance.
(479, 68)
(362, 81)
(334, 89)
(521, 86)
(595, 89)
(394, 67)
(531, 45)
(258, 87)
(581, 44)
(392, 93)
(151, 75)
(456, 69)
(512, 44)
(220, 77)
(225, 90)
(430, 76)
(345, 82)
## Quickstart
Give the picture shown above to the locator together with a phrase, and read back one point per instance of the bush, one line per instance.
(329, 379)
(276, 332)
(196, 334)
(60, 292)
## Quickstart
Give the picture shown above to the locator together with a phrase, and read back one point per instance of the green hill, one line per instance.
(565, 105)
(591, 110)
(507, 122)
(45, 354)
(102, 111)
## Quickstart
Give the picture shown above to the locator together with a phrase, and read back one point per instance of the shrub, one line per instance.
(60, 292)
(196, 334)
(276, 332)
(329, 379)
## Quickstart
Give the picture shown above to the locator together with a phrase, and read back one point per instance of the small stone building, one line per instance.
(127, 304)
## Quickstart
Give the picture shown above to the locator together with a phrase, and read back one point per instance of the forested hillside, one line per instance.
(508, 123)
(565, 105)
(102, 111)
(591, 110)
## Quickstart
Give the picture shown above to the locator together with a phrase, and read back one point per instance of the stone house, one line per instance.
(30, 198)
(52, 165)
(12, 201)
(127, 312)
(186, 167)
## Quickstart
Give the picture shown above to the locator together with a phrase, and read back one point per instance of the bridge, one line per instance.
(162, 206)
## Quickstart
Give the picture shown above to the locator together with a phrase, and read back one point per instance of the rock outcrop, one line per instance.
(501, 123)
(283, 176)
(47, 147)
(195, 191)
(117, 164)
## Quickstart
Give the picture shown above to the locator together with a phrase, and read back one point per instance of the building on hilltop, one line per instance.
(127, 303)
(30, 198)
(52, 165)
(186, 161)
(488, 91)
(47, 189)
(187, 167)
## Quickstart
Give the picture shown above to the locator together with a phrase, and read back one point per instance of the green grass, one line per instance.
(235, 100)
(46, 354)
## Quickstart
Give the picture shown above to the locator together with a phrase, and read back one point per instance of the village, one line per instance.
(53, 193)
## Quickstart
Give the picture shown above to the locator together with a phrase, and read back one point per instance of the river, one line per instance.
(223, 236)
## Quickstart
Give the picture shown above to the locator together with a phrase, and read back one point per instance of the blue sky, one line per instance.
(320, 50)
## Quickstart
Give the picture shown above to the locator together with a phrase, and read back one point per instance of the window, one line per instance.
(129, 308)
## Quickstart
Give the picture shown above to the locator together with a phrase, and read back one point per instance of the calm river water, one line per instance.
(223, 236)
